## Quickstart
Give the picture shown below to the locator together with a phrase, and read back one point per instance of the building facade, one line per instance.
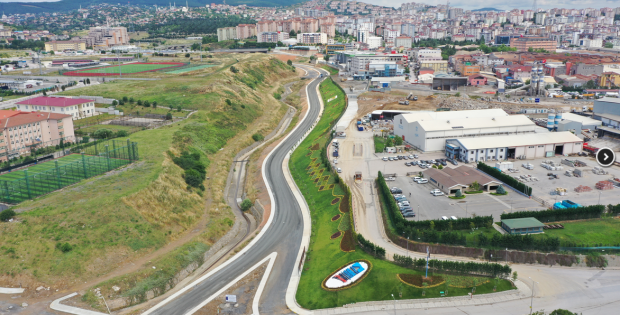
(525, 43)
(75, 107)
(65, 45)
(246, 31)
(312, 38)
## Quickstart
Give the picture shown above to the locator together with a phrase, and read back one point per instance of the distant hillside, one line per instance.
(68, 5)
(488, 9)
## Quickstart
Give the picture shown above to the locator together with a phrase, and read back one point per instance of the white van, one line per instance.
(390, 150)
(444, 218)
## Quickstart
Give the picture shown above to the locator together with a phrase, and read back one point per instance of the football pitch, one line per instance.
(130, 68)
(46, 177)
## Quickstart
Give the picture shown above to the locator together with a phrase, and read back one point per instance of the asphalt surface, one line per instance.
(283, 235)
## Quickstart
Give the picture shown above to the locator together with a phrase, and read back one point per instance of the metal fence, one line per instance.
(95, 158)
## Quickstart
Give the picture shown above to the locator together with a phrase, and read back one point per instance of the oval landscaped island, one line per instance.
(346, 276)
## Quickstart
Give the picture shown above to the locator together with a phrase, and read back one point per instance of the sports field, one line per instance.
(129, 68)
(189, 69)
(46, 177)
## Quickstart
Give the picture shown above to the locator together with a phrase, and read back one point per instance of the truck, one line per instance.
(570, 204)
(335, 153)
(403, 102)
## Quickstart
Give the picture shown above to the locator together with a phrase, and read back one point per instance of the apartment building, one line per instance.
(312, 38)
(525, 43)
(75, 107)
(266, 26)
(271, 37)
(309, 26)
(65, 45)
(103, 37)
(19, 131)
(404, 41)
(246, 31)
(226, 33)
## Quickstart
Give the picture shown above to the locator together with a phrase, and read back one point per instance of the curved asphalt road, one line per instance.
(283, 236)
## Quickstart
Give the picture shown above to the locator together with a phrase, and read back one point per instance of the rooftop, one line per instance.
(522, 223)
(54, 101)
(582, 119)
(23, 118)
(460, 176)
(518, 140)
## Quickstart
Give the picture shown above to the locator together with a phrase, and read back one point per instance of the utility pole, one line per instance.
(532, 298)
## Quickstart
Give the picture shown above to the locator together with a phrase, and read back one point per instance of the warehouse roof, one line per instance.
(55, 101)
(477, 122)
(518, 140)
(522, 223)
(582, 119)
(428, 115)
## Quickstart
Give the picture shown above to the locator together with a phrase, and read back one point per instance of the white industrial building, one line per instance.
(577, 123)
(523, 146)
(428, 131)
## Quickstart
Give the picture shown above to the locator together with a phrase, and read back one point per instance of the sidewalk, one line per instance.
(522, 291)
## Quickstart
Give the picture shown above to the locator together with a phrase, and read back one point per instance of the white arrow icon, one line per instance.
(606, 156)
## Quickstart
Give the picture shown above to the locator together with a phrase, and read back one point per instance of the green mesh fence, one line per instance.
(94, 159)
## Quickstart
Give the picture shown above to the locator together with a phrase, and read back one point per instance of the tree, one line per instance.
(121, 134)
(398, 140)
(246, 204)
(44, 93)
(326, 57)
(65, 248)
(187, 55)
(560, 311)
(87, 81)
(139, 102)
(514, 276)
(312, 57)
(6, 215)
(114, 103)
(279, 43)
(102, 133)
(289, 62)
(500, 190)
(62, 88)
(458, 194)
(475, 186)
(389, 142)
(131, 100)
(168, 116)
(125, 99)
(292, 34)
(146, 104)
(154, 104)
(233, 69)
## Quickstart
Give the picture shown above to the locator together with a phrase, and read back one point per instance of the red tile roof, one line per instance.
(55, 101)
(23, 118)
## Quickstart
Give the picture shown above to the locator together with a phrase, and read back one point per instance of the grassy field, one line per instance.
(123, 215)
(324, 254)
(331, 70)
(190, 69)
(93, 128)
(125, 68)
(379, 144)
(587, 232)
(92, 120)
(135, 109)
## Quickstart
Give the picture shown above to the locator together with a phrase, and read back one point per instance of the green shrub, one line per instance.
(500, 190)
(64, 247)
(258, 137)
(7, 215)
(246, 204)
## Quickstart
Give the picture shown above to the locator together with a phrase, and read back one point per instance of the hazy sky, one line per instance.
(507, 5)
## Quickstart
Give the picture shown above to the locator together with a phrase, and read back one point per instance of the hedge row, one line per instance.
(521, 242)
(587, 212)
(614, 209)
(402, 224)
(370, 247)
(507, 179)
(471, 268)
(432, 236)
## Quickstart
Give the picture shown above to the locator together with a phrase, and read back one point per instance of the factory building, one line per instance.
(428, 131)
(516, 146)
(569, 121)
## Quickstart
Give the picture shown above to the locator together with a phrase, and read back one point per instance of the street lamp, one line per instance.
(532, 298)
(599, 197)
(407, 246)
(394, 304)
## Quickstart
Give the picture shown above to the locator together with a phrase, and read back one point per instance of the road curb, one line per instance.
(70, 309)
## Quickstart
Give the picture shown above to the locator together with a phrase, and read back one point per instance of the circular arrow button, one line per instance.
(605, 157)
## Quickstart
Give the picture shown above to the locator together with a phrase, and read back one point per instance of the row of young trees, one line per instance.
(370, 247)
(520, 242)
(507, 179)
(587, 212)
(471, 268)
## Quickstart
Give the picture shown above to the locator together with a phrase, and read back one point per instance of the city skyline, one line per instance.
(502, 5)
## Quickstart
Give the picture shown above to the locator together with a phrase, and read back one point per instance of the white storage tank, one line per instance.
(550, 120)
(558, 118)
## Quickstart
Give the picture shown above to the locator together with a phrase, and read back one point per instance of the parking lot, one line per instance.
(429, 207)
(544, 188)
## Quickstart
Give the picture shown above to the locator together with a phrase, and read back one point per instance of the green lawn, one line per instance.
(92, 120)
(331, 70)
(93, 128)
(379, 144)
(325, 256)
(135, 109)
(128, 68)
(587, 232)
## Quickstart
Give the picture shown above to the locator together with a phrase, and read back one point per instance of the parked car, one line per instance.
(335, 161)
(454, 162)
(422, 181)
(444, 218)
(444, 163)
(411, 156)
(453, 218)
(339, 170)
(385, 158)
(407, 164)
(414, 163)
(391, 158)
(408, 214)
(415, 179)
(404, 204)
(436, 192)
(415, 156)
(396, 190)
